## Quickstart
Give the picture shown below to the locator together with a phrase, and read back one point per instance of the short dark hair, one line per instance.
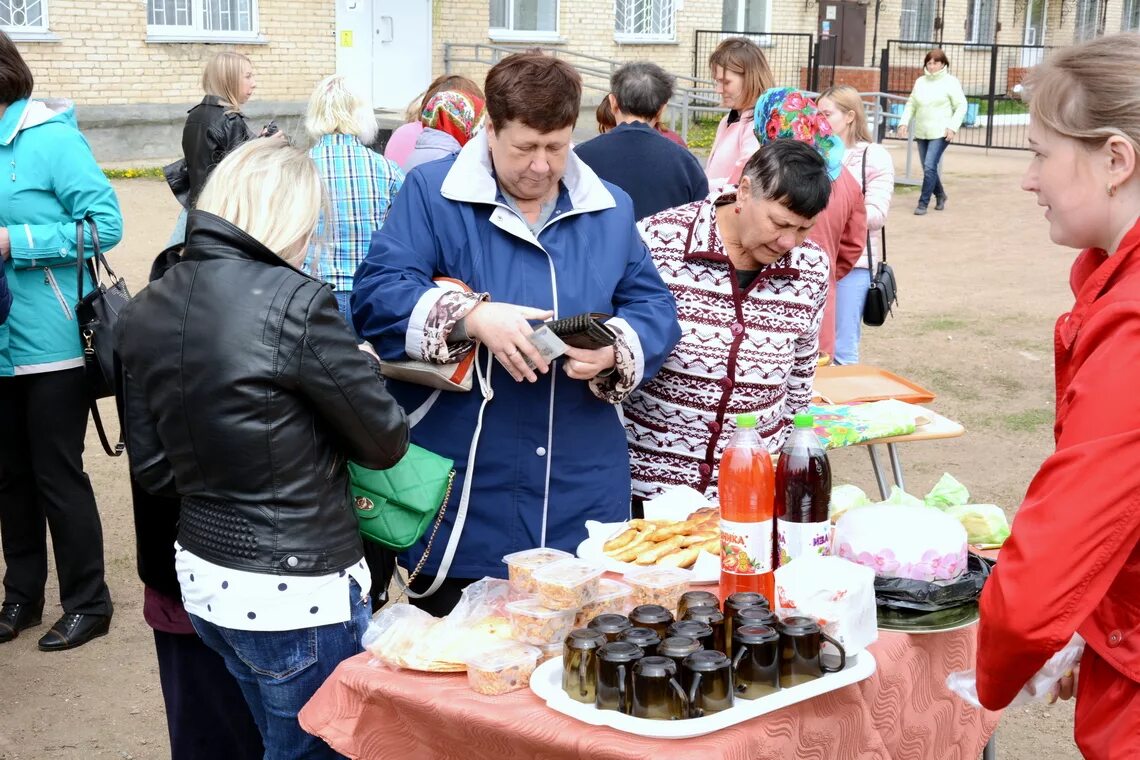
(535, 89)
(15, 77)
(791, 173)
(642, 88)
(937, 54)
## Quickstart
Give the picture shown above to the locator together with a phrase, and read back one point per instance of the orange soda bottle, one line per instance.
(747, 527)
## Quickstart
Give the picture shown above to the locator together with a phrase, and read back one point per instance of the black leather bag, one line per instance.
(96, 312)
(883, 291)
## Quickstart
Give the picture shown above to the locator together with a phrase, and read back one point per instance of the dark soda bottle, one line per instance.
(803, 494)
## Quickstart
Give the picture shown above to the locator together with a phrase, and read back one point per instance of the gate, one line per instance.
(789, 54)
(991, 76)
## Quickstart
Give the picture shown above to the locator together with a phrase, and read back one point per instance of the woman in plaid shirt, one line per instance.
(360, 184)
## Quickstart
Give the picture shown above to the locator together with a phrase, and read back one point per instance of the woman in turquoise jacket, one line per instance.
(49, 181)
(937, 105)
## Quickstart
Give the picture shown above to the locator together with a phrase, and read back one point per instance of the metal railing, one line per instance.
(789, 54)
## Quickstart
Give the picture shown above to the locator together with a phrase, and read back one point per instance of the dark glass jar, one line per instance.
(615, 675)
(579, 663)
(708, 683)
(657, 692)
(756, 661)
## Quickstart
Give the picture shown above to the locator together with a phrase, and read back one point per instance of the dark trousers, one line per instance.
(206, 713)
(43, 421)
(930, 153)
(445, 597)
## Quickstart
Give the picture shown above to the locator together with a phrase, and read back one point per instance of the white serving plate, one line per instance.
(705, 570)
(546, 682)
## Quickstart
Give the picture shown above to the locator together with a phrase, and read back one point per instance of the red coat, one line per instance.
(840, 230)
(1073, 561)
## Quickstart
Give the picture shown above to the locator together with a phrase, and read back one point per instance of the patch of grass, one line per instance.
(152, 171)
(942, 324)
(1001, 106)
(1028, 421)
(702, 134)
(1011, 386)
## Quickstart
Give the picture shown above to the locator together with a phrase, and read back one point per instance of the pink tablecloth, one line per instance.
(902, 712)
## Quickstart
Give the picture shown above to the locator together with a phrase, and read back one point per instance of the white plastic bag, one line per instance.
(837, 593)
(965, 683)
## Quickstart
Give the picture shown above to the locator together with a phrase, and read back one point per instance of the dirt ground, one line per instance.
(981, 286)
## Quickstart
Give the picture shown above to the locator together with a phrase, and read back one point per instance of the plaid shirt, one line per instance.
(361, 185)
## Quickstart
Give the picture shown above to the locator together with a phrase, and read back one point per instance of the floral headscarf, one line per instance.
(782, 112)
(456, 113)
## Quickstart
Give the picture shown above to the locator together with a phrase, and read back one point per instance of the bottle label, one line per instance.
(746, 547)
(802, 539)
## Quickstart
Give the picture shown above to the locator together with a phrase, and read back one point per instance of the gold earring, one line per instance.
(1111, 190)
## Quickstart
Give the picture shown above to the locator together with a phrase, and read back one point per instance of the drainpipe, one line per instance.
(875, 34)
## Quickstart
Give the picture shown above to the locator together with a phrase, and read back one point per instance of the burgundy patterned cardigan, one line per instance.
(752, 351)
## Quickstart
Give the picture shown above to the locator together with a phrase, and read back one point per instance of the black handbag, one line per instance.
(96, 312)
(883, 291)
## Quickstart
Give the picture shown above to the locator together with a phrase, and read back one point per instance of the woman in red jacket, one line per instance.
(1072, 564)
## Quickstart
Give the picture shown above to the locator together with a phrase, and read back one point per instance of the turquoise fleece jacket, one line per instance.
(48, 181)
(937, 103)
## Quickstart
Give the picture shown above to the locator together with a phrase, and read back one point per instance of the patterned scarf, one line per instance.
(456, 113)
(782, 112)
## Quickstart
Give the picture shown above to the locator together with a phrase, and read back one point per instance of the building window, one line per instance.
(644, 21)
(980, 22)
(23, 15)
(1130, 17)
(1088, 20)
(524, 19)
(747, 16)
(202, 19)
(916, 23)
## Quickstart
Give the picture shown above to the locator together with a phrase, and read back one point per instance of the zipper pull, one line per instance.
(46, 280)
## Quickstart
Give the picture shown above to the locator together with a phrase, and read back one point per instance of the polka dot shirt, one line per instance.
(248, 601)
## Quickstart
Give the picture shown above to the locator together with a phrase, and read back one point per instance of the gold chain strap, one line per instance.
(431, 539)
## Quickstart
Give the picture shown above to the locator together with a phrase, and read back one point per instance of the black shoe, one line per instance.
(16, 616)
(920, 210)
(940, 203)
(74, 630)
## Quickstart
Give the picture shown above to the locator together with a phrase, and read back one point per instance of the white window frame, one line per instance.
(1130, 16)
(975, 34)
(1080, 32)
(739, 25)
(509, 34)
(31, 32)
(196, 31)
(918, 7)
(625, 36)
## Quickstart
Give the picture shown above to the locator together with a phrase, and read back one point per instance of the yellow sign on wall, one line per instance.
(346, 38)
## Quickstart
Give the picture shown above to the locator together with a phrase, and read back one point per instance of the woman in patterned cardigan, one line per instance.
(750, 292)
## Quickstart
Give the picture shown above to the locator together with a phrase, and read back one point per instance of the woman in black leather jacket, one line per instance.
(246, 395)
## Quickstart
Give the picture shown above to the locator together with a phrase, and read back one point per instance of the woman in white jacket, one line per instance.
(875, 173)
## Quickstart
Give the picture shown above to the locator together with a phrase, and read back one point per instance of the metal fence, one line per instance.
(991, 76)
(789, 55)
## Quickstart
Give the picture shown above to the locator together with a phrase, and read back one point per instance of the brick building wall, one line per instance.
(101, 56)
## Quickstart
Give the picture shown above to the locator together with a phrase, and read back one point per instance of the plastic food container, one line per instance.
(502, 669)
(659, 585)
(613, 596)
(550, 651)
(533, 623)
(569, 584)
(521, 567)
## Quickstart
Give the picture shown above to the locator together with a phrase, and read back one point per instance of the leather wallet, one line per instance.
(584, 330)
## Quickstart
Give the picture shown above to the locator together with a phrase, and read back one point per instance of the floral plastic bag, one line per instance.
(1039, 687)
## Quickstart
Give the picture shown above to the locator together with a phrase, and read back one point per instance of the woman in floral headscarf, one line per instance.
(841, 230)
(450, 118)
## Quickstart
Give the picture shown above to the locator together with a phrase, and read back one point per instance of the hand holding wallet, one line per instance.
(587, 330)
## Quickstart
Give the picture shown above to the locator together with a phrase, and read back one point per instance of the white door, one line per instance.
(354, 32)
(401, 51)
(1036, 13)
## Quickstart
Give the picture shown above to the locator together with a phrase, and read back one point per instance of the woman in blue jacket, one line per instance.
(50, 180)
(539, 446)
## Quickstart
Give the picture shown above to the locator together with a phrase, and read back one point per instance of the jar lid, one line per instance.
(620, 651)
(742, 599)
(651, 613)
(798, 626)
(655, 667)
(755, 616)
(643, 637)
(755, 634)
(610, 622)
(678, 646)
(707, 660)
(694, 629)
(585, 638)
(704, 613)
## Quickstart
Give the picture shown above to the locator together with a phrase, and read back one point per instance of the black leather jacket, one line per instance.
(208, 137)
(245, 394)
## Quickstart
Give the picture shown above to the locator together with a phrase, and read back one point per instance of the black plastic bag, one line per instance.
(931, 596)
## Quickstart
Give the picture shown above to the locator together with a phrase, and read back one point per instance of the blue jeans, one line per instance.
(278, 671)
(930, 152)
(850, 293)
(342, 297)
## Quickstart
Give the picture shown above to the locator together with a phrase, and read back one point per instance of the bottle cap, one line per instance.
(804, 421)
(746, 420)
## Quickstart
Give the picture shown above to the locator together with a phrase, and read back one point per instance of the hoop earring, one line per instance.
(1111, 190)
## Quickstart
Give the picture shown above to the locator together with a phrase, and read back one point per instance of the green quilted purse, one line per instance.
(395, 506)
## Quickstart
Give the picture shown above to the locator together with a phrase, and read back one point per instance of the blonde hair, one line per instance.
(438, 85)
(337, 108)
(1091, 91)
(744, 57)
(222, 78)
(847, 98)
(272, 191)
